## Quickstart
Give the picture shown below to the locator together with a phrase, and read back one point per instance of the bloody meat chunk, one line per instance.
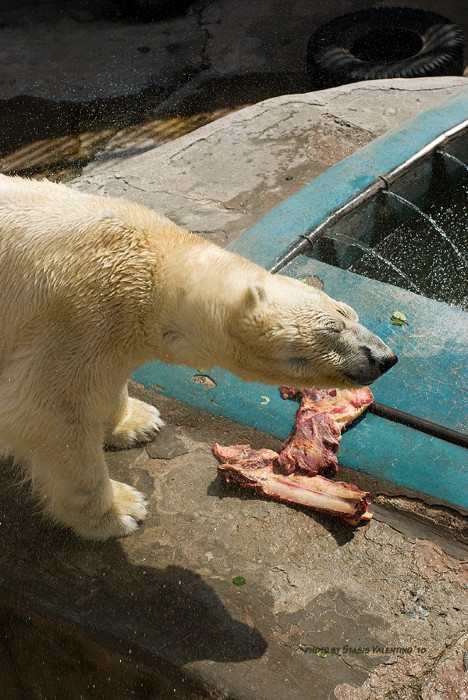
(335, 497)
(342, 405)
(317, 429)
(292, 476)
(311, 445)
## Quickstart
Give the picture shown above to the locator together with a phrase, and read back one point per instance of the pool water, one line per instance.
(413, 255)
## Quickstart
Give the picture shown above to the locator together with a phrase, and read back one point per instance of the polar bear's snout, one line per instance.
(387, 362)
(373, 357)
(382, 359)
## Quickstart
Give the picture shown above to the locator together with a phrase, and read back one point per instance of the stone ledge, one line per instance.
(223, 177)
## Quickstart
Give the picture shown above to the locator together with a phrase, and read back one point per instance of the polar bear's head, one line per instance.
(290, 333)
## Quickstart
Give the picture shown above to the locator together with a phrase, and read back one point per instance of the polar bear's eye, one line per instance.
(347, 312)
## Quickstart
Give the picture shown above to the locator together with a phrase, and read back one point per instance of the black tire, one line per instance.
(388, 42)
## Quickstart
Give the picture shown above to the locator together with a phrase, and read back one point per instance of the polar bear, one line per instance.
(90, 289)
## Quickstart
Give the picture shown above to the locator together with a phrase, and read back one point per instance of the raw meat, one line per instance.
(311, 445)
(292, 476)
(342, 405)
(336, 497)
(317, 430)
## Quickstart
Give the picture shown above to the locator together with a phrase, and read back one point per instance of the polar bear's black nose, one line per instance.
(388, 362)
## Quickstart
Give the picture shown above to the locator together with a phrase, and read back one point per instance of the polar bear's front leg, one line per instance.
(115, 513)
(132, 421)
(74, 486)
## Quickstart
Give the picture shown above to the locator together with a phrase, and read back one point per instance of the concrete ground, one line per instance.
(326, 611)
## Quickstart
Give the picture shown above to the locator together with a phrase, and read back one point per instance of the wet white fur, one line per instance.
(91, 288)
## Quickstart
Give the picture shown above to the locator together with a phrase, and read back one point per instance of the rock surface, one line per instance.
(222, 178)
(327, 611)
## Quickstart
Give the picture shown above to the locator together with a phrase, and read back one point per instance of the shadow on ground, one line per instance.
(51, 579)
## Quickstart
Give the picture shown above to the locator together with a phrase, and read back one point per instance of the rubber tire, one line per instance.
(437, 47)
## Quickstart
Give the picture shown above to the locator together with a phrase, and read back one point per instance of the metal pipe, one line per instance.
(421, 424)
(443, 138)
(307, 240)
(298, 247)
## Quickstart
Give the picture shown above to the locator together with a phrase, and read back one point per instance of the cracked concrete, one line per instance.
(68, 62)
(273, 149)
(36, 36)
(211, 41)
(443, 677)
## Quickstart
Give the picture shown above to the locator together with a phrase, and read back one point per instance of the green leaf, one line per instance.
(239, 581)
(323, 654)
(398, 318)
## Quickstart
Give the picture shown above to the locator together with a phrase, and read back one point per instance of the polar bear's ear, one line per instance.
(256, 294)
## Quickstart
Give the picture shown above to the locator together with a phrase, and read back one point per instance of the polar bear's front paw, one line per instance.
(120, 519)
(140, 424)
